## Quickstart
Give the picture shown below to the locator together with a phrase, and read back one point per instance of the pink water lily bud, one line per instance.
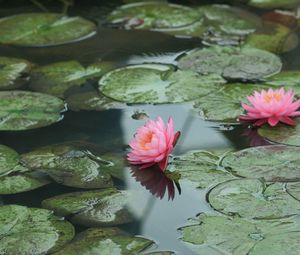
(153, 143)
(271, 106)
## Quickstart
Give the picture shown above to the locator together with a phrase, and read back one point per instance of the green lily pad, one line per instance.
(32, 231)
(21, 110)
(12, 71)
(294, 190)
(201, 168)
(44, 29)
(156, 83)
(94, 240)
(91, 101)
(9, 160)
(161, 253)
(270, 4)
(216, 235)
(252, 198)
(225, 104)
(55, 79)
(233, 63)
(284, 167)
(93, 208)
(284, 134)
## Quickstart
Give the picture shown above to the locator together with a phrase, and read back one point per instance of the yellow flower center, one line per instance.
(146, 139)
(273, 96)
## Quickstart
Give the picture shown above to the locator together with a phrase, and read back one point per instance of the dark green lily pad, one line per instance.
(233, 63)
(225, 104)
(216, 235)
(91, 101)
(252, 198)
(106, 207)
(9, 160)
(13, 72)
(108, 241)
(44, 29)
(32, 231)
(284, 134)
(201, 168)
(270, 4)
(21, 110)
(156, 83)
(285, 167)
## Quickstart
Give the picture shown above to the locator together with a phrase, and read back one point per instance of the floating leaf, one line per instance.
(9, 160)
(233, 63)
(93, 208)
(156, 83)
(22, 110)
(32, 231)
(55, 79)
(294, 190)
(108, 241)
(12, 71)
(284, 167)
(161, 253)
(273, 3)
(252, 198)
(44, 29)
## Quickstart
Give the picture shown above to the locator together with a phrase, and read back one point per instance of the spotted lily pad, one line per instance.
(216, 235)
(233, 63)
(106, 207)
(273, 3)
(22, 110)
(252, 198)
(32, 231)
(201, 168)
(156, 83)
(57, 78)
(44, 29)
(13, 72)
(108, 241)
(284, 167)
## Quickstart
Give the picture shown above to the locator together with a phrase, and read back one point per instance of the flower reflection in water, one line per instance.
(254, 138)
(157, 182)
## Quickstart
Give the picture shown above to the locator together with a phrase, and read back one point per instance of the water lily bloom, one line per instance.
(153, 143)
(271, 106)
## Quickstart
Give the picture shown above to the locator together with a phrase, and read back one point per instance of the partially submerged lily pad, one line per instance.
(32, 231)
(44, 29)
(106, 207)
(21, 110)
(233, 63)
(253, 198)
(156, 83)
(284, 167)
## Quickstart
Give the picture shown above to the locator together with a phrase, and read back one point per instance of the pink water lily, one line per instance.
(271, 106)
(153, 143)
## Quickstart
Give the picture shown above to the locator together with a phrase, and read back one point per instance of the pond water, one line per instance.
(158, 219)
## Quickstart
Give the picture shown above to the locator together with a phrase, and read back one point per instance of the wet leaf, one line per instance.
(55, 79)
(273, 3)
(233, 63)
(44, 29)
(93, 208)
(9, 160)
(21, 110)
(252, 198)
(156, 83)
(284, 167)
(35, 231)
(161, 253)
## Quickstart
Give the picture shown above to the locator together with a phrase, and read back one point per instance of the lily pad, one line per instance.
(156, 83)
(225, 104)
(44, 29)
(55, 79)
(93, 208)
(35, 231)
(284, 167)
(94, 240)
(294, 190)
(21, 110)
(13, 72)
(252, 198)
(201, 168)
(9, 160)
(270, 4)
(216, 235)
(161, 253)
(233, 63)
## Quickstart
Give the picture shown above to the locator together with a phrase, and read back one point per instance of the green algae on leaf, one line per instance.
(253, 198)
(44, 29)
(156, 83)
(21, 110)
(32, 231)
(107, 207)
